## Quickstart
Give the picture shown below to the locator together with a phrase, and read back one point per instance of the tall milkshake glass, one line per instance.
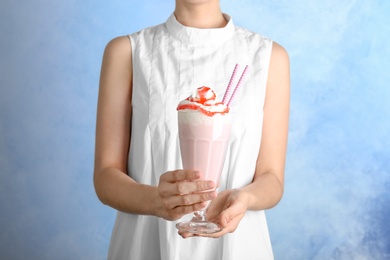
(204, 133)
(204, 139)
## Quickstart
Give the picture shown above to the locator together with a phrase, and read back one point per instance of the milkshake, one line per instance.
(204, 132)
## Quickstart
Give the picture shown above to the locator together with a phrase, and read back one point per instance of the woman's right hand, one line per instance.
(181, 192)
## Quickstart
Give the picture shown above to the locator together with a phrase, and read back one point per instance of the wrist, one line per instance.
(247, 198)
(155, 205)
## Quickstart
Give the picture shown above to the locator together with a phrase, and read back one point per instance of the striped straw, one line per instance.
(238, 86)
(229, 87)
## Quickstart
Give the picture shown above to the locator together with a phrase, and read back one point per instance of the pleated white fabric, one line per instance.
(169, 62)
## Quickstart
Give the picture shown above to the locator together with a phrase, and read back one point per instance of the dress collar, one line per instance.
(196, 36)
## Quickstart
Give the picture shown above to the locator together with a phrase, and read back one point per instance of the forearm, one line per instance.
(117, 190)
(264, 192)
(266, 189)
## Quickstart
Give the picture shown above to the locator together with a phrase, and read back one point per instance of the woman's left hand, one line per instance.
(226, 210)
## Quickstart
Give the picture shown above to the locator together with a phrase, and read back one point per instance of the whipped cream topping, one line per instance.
(204, 101)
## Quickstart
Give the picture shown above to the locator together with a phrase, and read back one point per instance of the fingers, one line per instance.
(235, 211)
(185, 187)
(180, 211)
(187, 234)
(188, 200)
(180, 175)
(213, 235)
(227, 210)
(180, 205)
(182, 192)
(181, 182)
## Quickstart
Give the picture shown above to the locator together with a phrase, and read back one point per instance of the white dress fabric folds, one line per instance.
(170, 61)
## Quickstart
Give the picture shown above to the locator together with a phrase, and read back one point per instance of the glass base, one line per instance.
(198, 227)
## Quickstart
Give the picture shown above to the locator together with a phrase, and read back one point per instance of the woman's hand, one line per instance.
(181, 192)
(226, 210)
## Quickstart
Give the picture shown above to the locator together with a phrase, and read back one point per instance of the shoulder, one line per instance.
(117, 59)
(117, 47)
(118, 54)
(124, 46)
(279, 70)
(279, 57)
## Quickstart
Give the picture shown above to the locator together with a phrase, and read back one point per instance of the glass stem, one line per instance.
(200, 216)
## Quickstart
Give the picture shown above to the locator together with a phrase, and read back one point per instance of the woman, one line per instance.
(137, 161)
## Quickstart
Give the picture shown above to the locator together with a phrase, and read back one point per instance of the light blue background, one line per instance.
(337, 193)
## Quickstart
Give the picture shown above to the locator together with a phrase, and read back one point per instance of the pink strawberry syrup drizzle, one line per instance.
(203, 101)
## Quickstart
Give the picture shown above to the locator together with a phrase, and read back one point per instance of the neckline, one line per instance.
(196, 36)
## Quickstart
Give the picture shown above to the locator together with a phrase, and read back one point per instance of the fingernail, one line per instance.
(196, 175)
(210, 184)
(212, 195)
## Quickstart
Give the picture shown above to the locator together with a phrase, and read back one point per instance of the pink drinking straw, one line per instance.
(238, 86)
(229, 87)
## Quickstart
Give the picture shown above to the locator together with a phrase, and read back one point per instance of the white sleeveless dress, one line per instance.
(169, 62)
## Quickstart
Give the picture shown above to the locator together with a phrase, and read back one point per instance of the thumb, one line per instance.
(230, 213)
